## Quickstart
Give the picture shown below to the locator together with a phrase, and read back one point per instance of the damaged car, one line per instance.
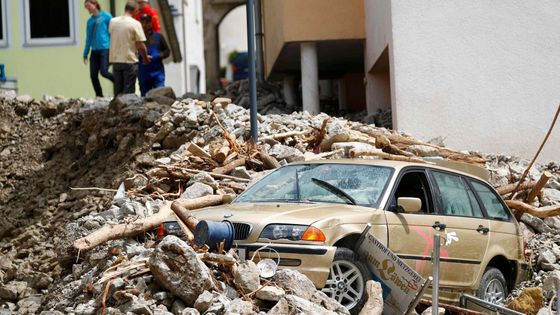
(311, 215)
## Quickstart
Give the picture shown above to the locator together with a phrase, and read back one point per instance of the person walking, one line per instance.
(145, 8)
(152, 75)
(127, 39)
(97, 40)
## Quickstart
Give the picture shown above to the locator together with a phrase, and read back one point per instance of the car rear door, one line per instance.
(460, 211)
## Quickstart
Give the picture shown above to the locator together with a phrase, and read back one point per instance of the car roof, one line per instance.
(465, 169)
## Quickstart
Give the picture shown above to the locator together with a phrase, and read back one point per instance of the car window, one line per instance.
(494, 207)
(455, 198)
(306, 183)
(414, 184)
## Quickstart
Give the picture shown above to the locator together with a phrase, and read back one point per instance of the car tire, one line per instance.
(493, 286)
(347, 280)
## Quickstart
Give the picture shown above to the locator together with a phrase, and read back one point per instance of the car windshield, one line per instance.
(333, 183)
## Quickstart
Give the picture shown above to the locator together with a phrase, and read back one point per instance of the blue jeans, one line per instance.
(99, 62)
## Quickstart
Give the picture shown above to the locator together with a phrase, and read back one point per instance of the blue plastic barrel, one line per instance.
(212, 233)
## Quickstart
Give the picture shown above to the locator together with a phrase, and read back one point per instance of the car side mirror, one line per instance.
(409, 204)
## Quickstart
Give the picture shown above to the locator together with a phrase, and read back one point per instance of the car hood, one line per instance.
(291, 213)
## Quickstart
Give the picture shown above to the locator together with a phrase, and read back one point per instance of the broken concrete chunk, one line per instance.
(270, 293)
(197, 190)
(247, 277)
(294, 282)
(177, 268)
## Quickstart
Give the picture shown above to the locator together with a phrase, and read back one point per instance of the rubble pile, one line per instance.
(270, 99)
(66, 159)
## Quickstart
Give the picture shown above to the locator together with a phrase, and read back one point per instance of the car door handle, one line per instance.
(439, 226)
(482, 229)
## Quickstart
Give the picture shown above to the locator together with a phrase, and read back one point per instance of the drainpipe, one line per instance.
(252, 63)
(259, 37)
(185, 60)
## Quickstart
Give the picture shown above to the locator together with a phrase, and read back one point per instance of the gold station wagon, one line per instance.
(312, 214)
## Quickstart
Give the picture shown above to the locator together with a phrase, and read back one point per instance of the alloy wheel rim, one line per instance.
(495, 292)
(345, 283)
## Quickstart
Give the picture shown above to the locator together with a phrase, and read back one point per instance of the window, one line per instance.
(49, 22)
(414, 185)
(456, 198)
(491, 202)
(3, 23)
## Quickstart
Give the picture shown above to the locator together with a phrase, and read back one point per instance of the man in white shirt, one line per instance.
(127, 39)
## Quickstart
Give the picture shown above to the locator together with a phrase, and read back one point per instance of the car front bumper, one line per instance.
(313, 261)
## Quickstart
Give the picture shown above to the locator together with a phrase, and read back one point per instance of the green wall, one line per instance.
(57, 70)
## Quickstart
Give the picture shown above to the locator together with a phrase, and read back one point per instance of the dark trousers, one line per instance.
(99, 62)
(150, 79)
(125, 78)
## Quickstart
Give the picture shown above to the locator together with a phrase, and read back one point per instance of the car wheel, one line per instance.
(493, 287)
(347, 280)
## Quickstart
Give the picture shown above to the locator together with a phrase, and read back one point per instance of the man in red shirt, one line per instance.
(146, 9)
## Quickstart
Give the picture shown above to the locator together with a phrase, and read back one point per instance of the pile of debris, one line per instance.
(270, 99)
(163, 150)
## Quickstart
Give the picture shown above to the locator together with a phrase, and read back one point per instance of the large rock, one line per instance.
(321, 299)
(239, 307)
(536, 223)
(13, 290)
(282, 152)
(177, 268)
(529, 302)
(295, 282)
(549, 284)
(547, 260)
(197, 190)
(247, 277)
(303, 306)
(553, 222)
(270, 293)
(125, 100)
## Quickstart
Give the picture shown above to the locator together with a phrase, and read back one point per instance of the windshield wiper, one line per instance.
(335, 190)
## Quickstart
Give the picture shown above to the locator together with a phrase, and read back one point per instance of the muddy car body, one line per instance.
(312, 214)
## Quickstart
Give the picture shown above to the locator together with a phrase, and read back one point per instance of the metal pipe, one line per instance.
(557, 284)
(435, 274)
(259, 37)
(416, 300)
(112, 8)
(252, 63)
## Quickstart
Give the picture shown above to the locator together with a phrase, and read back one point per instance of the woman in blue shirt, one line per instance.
(97, 39)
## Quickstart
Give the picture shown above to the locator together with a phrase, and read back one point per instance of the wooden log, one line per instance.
(218, 258)
(387, 156)
(544, 212)
(506, 189)
(117, 231)
(198, 151)
(538, 186)
(181, 207)
(184, 215)
(226, 169)
(283, 135)
(220, 154)
(269, 162)
(188, 233)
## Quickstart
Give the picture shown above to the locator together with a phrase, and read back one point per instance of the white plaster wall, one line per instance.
(378, 37)
(188, 26)
(483, 74)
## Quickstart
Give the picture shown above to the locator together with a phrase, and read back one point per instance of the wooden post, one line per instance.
(540, 184)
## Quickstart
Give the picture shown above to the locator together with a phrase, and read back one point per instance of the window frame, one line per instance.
(430, 194)
(470, 180)
(5, 41)
(27, 41)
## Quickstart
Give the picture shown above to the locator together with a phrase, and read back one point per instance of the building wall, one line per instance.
(59, 70)
(482, 74)
(55, 70)
(309, 20)
(188, 22)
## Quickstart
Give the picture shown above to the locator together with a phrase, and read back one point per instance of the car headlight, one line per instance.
(292, 232)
